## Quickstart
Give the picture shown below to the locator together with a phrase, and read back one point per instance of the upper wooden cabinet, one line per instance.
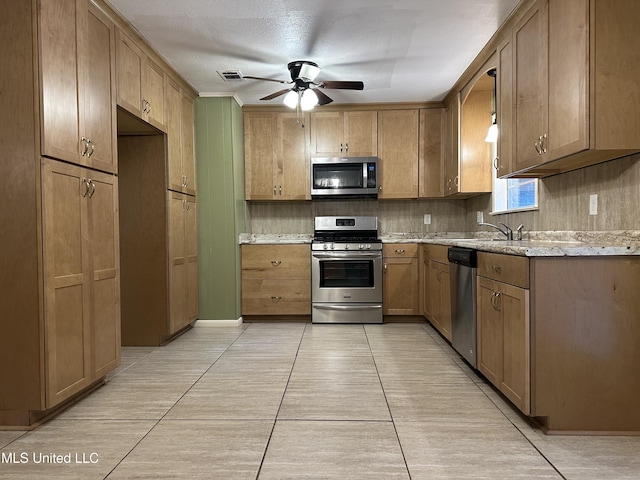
(141, 82)
(276, 157)
(180, 140)
(78, 109)
(398, 133)
(344, 134)
(430, 153)
(569, 81)
(451, 139)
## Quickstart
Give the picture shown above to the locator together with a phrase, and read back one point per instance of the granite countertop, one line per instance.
(535, 244)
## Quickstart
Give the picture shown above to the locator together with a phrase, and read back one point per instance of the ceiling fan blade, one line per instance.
(276, 94)
(344, 85)
(267, 79)
(323, 98)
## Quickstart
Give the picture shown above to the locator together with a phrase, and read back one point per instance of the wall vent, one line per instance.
(231, 75)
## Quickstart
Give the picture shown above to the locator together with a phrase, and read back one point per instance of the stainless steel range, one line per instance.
(346, 270)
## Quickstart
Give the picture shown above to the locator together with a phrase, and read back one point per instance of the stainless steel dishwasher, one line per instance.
(463, 263)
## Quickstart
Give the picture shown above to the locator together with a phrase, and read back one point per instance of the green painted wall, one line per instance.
(221, 216)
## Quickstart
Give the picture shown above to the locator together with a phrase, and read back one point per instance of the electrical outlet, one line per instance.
(480, 217)
(427, 219)
(593, 204)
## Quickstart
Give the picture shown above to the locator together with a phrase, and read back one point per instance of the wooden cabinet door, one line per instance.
(530, 50)
(490, 331)
(398, 152)
(152, 87)
(505, 107)
(175, 178)
(439, 282)
(177, 263)
(291, 158)
(452, 147)
(61, 26)
(99, 115)
(400, 286)
(513, 305)
(259, 148)
(430, 154)
(105, 272)
(327, 134)
(360, 134)
(425, 284)
(191, 257)
(188, 156)
(129, 72)
(67, 279)
(568, 79)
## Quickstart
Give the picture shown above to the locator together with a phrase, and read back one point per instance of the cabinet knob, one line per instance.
(276, 263)
(400, 250)
(496, 268)
(275, 299)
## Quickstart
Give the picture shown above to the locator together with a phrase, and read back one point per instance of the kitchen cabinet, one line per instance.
(140, 82)
(183, 261)
(436, 288)
(276, 157)
(276, 279)
(180, 115)
(503, 325)
(159, 269)
(400, 279)
(78, 111)
(344, 134)
(451, 138)
(430, 153)
(568, 82)
(81, 286)
(398, 132)
(60, 293)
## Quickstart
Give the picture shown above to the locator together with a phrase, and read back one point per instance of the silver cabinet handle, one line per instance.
(496, 268)
(276, 263)
(86, 187)
(495, 163)
(85, 145)
(495, 297)
(275, 299)
(340, 147)
(543, 143)
(400, 250)
(347, 147)
(93, 147)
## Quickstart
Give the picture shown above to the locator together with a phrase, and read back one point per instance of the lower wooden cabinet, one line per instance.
(503, 327)
(183, 261)
(81, 278)
(276, 279)
(400, 279)
(436, 288)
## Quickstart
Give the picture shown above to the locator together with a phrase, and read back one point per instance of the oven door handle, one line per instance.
(347, 255)
(348, 307)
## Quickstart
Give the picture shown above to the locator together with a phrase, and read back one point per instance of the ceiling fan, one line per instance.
(305, 91)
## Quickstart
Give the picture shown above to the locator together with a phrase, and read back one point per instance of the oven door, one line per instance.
(346, 277)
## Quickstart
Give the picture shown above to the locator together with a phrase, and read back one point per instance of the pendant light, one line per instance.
(492, 133)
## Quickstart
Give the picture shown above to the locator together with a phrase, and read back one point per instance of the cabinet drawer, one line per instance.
(276, 297)
(276, 261)
(510, 269)
(436, 252)
(399, 250)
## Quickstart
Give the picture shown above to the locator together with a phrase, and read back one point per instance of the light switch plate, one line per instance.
(480, 217)
(593, 204)
(427, 219)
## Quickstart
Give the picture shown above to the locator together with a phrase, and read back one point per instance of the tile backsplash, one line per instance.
(563, 200)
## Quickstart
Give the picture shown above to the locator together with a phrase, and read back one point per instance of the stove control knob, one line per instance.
(360, 247)
(346, 247)
(325, 246)
(332, 246)
(368, 247)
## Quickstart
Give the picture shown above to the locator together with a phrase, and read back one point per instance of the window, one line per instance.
(513, 194)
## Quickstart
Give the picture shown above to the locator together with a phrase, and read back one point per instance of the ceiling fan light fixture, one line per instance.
(309, 72)
(308, 99)
(291, 99)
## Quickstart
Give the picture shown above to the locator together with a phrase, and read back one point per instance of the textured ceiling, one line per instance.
(403, 50)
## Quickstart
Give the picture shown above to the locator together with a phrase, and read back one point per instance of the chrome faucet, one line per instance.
(519, 230)
(507, 232)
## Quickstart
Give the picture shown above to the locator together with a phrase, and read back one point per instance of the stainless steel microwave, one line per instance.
(344, 176)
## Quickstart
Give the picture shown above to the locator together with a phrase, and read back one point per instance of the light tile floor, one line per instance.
(295, 400)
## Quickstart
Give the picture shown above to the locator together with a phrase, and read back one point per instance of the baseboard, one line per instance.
(218, 323)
